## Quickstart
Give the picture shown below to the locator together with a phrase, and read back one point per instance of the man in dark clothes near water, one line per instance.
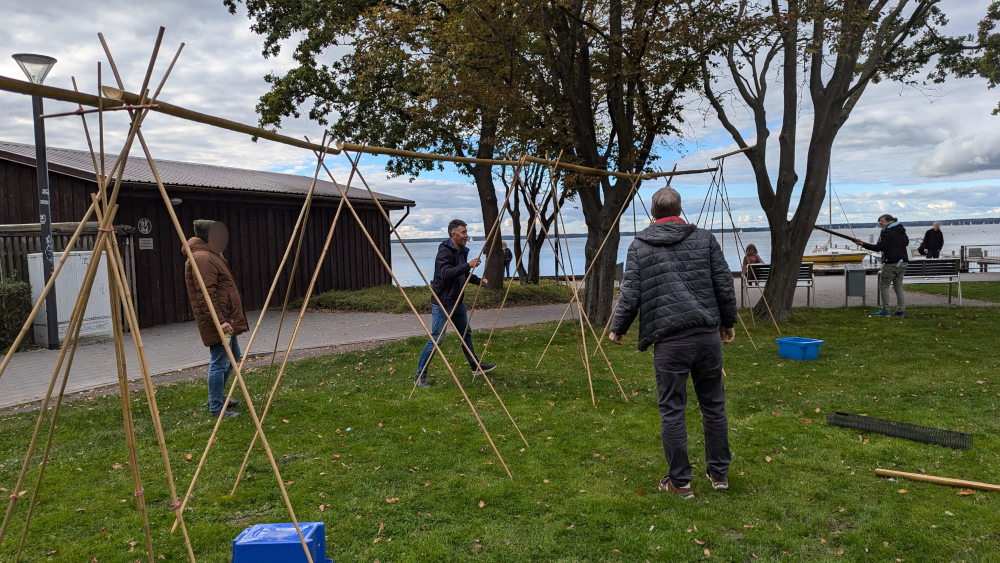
(933, 242)
(678, 282)
(451, 269)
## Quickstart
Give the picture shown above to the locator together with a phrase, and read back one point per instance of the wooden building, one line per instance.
(260, 209)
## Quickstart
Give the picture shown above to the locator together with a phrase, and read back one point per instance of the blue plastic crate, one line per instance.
(279, 543)
(798, 348)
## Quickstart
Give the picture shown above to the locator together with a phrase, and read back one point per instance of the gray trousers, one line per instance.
(892, 274)
(700, 355)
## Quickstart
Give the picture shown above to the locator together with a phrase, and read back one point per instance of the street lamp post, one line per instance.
(37, 67)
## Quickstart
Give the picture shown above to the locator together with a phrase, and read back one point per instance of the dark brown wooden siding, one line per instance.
(260, 227)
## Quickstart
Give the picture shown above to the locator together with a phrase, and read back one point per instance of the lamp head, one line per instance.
(36, 67)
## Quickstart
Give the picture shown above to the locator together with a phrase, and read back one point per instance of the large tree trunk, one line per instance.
(790, 238)
(483, 175)
(600, 285)
(535, 242)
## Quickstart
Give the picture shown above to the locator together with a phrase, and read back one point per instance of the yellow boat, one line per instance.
(837, 256)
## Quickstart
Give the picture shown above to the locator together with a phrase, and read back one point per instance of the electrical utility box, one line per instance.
(97, 317)
(854, 282)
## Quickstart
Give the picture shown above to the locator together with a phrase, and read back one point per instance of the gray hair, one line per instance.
(666, 203)
(454, 225)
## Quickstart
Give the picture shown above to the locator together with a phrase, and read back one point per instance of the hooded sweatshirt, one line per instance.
(677, 281)
(222, 290)
(892, 243)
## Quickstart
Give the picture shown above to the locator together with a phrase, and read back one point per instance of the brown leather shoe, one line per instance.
(684, 492)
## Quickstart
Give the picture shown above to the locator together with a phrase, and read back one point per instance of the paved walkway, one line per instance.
(175, 347)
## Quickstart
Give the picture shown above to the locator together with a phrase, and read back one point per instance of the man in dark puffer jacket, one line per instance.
(678, 282)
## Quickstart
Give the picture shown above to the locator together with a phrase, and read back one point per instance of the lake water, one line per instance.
(955, 236)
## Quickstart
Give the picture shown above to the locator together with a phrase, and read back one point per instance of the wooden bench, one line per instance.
(944, 270)
(757, 275)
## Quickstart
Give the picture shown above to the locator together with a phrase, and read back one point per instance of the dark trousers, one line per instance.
(932, 254)
(701, 356)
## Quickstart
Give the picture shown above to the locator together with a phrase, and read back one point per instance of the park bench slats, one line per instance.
(757, 275)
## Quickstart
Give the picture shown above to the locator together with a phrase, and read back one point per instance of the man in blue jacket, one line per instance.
(678, 283)
(452, 268)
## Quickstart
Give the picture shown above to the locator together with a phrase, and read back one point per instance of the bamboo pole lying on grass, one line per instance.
(938, 480)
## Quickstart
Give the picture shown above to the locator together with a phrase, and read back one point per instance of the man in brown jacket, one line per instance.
(210, 240)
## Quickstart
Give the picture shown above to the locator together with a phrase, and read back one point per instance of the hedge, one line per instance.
(15, 305)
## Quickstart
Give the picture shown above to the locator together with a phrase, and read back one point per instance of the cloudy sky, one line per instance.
(920, 154)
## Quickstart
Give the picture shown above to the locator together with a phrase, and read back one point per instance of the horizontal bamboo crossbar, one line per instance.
(116, 98)
(744, 149)
(938, 480)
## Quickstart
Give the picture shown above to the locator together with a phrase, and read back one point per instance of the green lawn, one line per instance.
(983, 291)
(387, 299)
(585, 488)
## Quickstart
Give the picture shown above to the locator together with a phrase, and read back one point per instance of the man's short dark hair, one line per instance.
(454, 225)
(666, 203)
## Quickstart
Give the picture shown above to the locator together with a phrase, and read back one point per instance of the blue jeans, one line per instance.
(438, 325)
(218, 372)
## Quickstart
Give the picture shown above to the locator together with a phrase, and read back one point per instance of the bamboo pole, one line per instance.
(385, 264)
(507, 292)
(116, 97)
(589, 268)
(744, 149)
(834, 233)
(291, 342)
(246, 354)
(126, 401)
(291, 278)
(84, 292)
(576, 297)
(222, 335)
(354, 166)
(74, 334)
(125, 297)
(938, 480)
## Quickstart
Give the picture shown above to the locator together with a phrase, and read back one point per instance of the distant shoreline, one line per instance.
(945, 223)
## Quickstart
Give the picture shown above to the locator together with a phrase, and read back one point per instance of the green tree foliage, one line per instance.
(823, 54)
(600, 83)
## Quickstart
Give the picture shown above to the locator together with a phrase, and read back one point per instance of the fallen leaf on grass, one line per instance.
(335, 456)
(651, 528)
(902, 491)
(641, 492)
(708, 553)
(481, 504)
(571, 526)
(545, 480)
(615, 551)
(322, 508)
(805, 420)
(747, 526)
(767, 458)
(187, 457)
(285, 420)
(817, 410)
(699, 542)
(381, 527)
(391, 500)
(966, 492)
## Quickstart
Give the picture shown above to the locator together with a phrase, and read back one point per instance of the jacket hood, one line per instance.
(197, 245)
(451, 246)
(665, 234)
(201, 228)
(897, 227)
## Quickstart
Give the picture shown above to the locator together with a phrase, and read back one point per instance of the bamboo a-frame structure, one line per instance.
(104, 207)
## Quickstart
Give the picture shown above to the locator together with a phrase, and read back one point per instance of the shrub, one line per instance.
(15, 305)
